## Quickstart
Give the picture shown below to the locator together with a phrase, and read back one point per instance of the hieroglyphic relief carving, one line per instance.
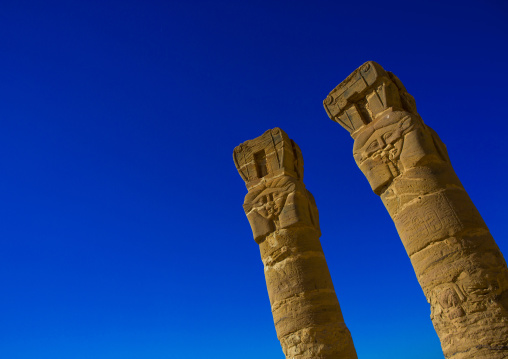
(284, 221)
(457, 263)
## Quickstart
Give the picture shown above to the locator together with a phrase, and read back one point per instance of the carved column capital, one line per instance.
(272, 167)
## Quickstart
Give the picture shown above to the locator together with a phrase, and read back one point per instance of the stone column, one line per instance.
(284, 221)
(458, 265)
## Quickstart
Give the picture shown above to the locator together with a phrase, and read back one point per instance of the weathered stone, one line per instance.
(284, 221)
(457, 263)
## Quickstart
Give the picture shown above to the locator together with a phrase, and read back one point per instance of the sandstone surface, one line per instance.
(284, 221)
(456, 260)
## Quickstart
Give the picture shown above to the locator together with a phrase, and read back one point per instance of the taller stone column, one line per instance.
(457, 263)
(285, 224)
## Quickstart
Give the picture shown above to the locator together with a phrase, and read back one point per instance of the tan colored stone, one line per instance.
(285, 223)
(457, 262)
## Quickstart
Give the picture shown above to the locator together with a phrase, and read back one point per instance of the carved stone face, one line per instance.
(378, 147)
(269, 203)
(279, 203)
(384, 138)
(393, 143)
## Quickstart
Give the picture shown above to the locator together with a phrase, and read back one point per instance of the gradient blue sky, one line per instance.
(122, 231)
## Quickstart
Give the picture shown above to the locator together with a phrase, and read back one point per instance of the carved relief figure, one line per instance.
(447, 301)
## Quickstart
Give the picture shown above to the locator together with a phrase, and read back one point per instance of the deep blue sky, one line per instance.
(122, 232)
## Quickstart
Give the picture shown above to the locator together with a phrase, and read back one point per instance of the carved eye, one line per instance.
(387, 136)
(405, 123)
(261, 201)
(373, 145)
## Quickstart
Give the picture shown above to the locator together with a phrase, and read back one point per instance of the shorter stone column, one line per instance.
(284, 221)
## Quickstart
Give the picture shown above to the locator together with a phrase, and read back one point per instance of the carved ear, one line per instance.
(298, 211)
(440, 146)
(313, 211)
(420, 148)
(358, 157)
(290, 213)
(405, 123)
(261, 227)
(377, 173)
